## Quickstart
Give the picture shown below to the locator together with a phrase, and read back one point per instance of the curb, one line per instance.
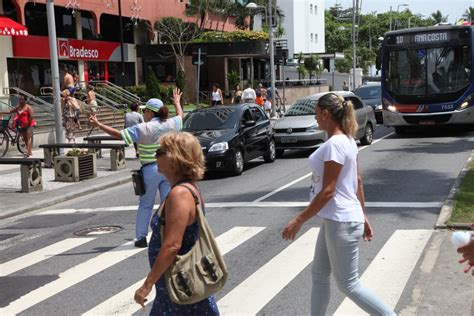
(448, 205)
(68, 196)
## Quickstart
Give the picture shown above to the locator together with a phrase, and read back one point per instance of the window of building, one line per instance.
(311, 8)
(9, 10)
(315, 37)
(109, 29)
(164, 70)
(37, 21)
(87, 22)
(315, 9)
(311, 37)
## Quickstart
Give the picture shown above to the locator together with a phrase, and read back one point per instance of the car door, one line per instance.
(248, 134)
(360, 114)
(263, 129)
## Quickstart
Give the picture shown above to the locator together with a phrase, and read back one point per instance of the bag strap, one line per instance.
(197, 200)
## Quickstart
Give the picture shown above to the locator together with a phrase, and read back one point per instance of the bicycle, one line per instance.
(8, 134)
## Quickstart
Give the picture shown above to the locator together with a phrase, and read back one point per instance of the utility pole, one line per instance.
(121, 43)
(272, 57)
(354, 54)
(53, 48)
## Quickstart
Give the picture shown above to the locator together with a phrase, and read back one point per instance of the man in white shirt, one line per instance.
(249, 95)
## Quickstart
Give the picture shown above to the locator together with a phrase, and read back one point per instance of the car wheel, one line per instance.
(399, 130)
(368, 135)
(279, 153)
(238, 163)
(270, 154)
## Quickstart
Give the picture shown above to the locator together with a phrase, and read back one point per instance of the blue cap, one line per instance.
(154, 105)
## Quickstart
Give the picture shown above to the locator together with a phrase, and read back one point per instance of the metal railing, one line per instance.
(117, 92)
(32, 99)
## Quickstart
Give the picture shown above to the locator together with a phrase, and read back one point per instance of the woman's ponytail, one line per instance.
(342, 112)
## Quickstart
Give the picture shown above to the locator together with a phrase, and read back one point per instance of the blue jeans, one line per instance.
(154, 181)
(337, 251)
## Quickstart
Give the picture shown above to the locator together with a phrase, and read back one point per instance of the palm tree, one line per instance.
(438, 17)
(469, 14)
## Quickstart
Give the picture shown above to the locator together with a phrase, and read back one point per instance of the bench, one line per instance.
(98, 139)
(31, 173)
(117, 153)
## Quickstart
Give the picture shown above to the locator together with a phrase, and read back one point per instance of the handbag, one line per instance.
(138, 182)
(199, 273)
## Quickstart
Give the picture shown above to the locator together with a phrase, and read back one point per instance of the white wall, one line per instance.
(6, 51)
(303, 18)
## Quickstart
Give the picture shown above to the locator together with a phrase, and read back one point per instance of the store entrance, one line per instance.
(96, 71)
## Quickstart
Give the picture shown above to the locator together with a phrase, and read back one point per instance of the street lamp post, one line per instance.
(398, 8)
(354, 54)
(253, 5)
(121, 43)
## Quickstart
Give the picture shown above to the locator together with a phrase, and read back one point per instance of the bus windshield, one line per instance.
(428, 71)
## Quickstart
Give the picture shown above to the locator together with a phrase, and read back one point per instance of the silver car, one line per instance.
(298, 129)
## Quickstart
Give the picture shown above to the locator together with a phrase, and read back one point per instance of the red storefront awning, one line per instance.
(8, 27)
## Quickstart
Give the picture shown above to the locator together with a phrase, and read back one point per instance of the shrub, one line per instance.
(152, 84)
(235, 36)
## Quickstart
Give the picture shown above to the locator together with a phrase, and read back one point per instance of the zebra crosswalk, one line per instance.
(397, 257)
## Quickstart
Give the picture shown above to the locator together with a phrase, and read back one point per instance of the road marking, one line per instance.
(71, 277)
(30, 259)
(246, 205)
(257, 290)
(397, 259)
(123, 303)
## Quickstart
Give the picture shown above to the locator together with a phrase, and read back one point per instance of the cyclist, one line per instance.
(24, 122)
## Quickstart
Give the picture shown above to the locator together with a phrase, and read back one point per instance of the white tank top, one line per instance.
(216, 96)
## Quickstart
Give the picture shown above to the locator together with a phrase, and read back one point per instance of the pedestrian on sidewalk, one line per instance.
(133, 118)
(24, 123)
(337, 196)
(148, 135)
(216, 95)
(68, 107)
(181, 160)
(467, 252)
(91, 99)
(249, 95)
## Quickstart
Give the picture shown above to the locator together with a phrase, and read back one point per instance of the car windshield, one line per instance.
(211, 119)
(427, 71)
(368, 92)
(302, 107)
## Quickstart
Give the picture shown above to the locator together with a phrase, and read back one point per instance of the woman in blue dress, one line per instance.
(181, 161)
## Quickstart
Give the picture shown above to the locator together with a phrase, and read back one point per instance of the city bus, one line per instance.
(427, 77)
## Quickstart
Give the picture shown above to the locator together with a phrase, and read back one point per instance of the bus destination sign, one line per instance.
(421, 38)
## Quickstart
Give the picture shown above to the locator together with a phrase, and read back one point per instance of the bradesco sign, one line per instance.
(72, 49)
(86, 50)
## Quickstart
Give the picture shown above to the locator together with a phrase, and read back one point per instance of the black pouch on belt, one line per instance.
(138, 182)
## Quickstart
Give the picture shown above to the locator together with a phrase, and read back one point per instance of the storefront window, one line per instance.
(109, 29)
(9, 10)
(32, 74)
(115, 73)
(165, 71)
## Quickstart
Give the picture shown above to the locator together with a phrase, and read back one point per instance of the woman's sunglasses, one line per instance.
(159, 152)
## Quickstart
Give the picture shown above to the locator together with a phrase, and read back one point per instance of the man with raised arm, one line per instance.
(147, 136)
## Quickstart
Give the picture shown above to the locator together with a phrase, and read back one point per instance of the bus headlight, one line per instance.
(389, 106)
(467, 102)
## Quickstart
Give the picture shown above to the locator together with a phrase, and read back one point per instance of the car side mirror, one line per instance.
(249, 123)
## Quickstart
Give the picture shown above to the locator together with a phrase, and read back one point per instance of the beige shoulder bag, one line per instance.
(200, 272)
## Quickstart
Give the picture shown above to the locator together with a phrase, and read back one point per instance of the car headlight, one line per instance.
(219, 147)
(312, 128)
(389, 106)
(467, 102)
(378, 106)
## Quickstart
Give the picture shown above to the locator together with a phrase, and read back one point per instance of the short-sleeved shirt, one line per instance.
(133, 118)
(344, 206)
(148, 134)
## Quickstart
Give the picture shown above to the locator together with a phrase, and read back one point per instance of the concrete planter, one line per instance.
(75, 168)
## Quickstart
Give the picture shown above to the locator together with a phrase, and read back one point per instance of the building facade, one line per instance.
(307, 15)
(88, 39)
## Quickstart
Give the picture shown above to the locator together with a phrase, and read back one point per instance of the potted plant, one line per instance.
(75, 166)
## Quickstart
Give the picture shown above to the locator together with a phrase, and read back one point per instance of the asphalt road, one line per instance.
(397, 172)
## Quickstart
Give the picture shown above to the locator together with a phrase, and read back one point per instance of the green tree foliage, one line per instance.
(181, 80)
(152, 84)
(469, 14)
(311, 64)
(438, 17)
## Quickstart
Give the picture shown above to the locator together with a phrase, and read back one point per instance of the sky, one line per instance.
(454, 8)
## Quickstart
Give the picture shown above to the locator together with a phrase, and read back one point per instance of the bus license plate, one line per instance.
(288, 140)
(427, 122)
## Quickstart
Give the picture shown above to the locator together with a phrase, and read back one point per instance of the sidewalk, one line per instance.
(13, 202)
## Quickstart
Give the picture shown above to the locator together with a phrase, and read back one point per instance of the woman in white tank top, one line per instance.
(216, 95)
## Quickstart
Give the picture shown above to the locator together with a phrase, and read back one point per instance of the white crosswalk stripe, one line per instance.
(397, 258)
(123, 303)
(40, 255)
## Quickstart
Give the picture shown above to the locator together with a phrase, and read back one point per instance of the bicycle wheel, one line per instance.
(4, 143)
(20, 143)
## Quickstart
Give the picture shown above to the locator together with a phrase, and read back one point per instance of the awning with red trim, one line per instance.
(8, 27)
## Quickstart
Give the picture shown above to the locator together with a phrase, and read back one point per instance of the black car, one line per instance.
(371, 94)
(231, 135)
